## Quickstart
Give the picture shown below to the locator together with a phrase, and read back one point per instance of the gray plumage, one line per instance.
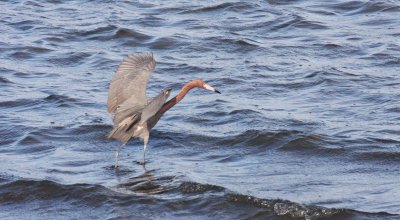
(138, 122)
(134, 114)
(129, 83)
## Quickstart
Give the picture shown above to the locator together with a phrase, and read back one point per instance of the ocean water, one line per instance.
(307, 125)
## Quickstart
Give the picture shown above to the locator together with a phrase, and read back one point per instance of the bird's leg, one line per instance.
(144, 154)
(117, 155)
(145, 141)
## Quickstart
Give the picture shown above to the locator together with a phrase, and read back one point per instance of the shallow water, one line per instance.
(306, 125)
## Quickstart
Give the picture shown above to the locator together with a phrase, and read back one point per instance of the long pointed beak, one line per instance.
(210, 88)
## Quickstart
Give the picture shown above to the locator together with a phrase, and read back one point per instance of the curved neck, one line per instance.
(185, 89)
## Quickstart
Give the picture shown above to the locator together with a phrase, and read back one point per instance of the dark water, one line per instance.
(307, 126)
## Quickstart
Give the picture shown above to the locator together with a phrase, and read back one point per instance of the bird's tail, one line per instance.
(123, 131)
(120, 134)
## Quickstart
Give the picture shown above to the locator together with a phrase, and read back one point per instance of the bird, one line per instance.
(133, 114)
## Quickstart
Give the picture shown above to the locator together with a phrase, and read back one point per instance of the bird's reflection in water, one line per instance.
(147, 182)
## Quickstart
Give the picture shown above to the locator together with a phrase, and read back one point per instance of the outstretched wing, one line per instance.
(155, 104)
(123, 126)
(129, 83)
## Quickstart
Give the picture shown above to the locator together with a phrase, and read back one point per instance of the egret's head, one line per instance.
(208, 87)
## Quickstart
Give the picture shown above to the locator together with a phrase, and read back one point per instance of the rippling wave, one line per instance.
(149, 191)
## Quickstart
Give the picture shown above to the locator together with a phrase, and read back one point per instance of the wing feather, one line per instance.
(154, 105)
(129, 83)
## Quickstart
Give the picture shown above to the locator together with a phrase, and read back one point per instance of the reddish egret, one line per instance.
(134, 114)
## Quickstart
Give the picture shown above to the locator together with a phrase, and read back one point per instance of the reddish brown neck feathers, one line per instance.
(185, 89)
